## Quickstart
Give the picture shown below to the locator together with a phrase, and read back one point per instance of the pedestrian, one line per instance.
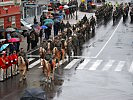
(62, 26)
(42, 18)
(67, 13)
(12, 47)
(35, 20)
(48, 32)
(41, 35)
(32, 38)
(36, 38)
(68, 25)
(28, 41)
(56, 28)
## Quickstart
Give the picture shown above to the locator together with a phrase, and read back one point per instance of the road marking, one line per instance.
(72, 63)
(108, 40)
(131, 68)
(82, 65)
(95, 65)
(56, 63)
(33, 51)
(108, 65)
(30, 59)
(33, 55)
(120, 66)
(34, 64)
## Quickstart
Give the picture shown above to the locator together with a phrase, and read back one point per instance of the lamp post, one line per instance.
(76, 9)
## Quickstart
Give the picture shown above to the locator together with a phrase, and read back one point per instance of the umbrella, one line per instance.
(19, 31)
(48, 23)
(66, 6)
(56, 20)
(1, 40)
(3, 47)
(14, 40)
(10, 29)
(44, 27)
(61, 7)
(33, 94)
(48, 20)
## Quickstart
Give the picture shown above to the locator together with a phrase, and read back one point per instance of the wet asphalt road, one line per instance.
(104, 74)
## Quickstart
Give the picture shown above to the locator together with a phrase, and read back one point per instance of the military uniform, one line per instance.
(75, 43)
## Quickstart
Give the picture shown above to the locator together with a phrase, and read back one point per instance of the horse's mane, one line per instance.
(55, 50)
(21, 58)
(45, 64)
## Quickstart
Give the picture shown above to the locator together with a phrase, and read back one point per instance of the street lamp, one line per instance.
(76, 10)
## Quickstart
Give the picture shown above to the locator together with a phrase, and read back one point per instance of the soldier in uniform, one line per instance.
(75, 43)
(23, 54)
(50, 44)
(92, 24)
(45, 44)
(58, 45)
(69, 48)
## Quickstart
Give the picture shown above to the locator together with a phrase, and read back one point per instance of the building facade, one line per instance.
(10, 14)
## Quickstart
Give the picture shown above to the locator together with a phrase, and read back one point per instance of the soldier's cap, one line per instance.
(49, 40)
(70, 38)
(56, 37)
(74, 34)
(44, 40)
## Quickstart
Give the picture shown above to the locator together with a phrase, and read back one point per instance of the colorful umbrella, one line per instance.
(14, 40)
(10, 29)
(4, 46)
(44, 27)
(66, 6)
(61, 7)
(49, 20)
(56, 20)
(48, 23)
(1, 40)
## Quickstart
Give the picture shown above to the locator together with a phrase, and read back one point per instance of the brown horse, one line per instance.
(42, 53)
(57, 55)
(46, 68)
(22, 68)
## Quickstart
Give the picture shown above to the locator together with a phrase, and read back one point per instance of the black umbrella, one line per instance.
(33, 94)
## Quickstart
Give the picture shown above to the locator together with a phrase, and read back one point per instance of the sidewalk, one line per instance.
(72, 21)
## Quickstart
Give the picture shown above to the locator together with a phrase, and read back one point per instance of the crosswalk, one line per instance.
(36, 61)
(92, 65)
(103, 65)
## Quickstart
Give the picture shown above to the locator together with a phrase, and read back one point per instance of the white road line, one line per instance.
(108, 40)
(72, 63)
(33, 50)
(30, 59)
(34, 64)
(33, 55)
(120, 66)
(60, 63)
(95, 65)
(131, 68)
(83, 64)
(108, 65)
